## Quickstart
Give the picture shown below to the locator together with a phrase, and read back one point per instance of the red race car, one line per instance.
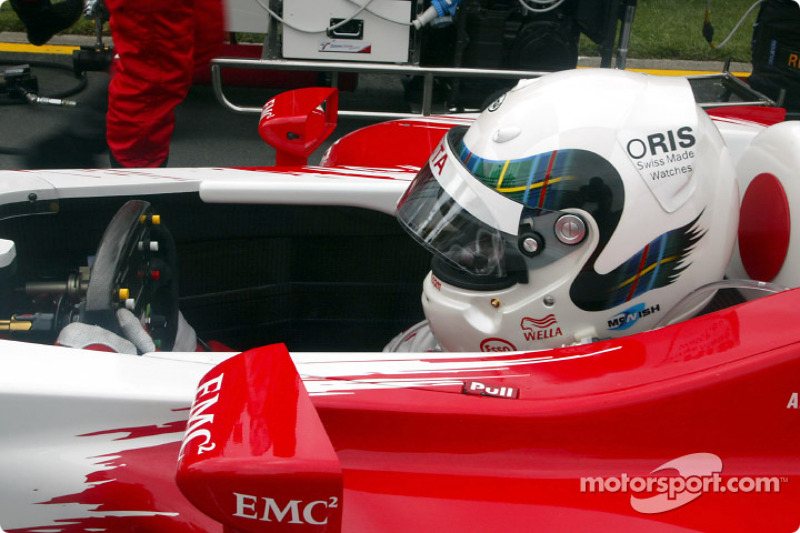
(584, 320)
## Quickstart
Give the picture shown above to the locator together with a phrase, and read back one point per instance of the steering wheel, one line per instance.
(136, 268)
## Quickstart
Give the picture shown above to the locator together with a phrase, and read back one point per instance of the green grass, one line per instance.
(662, 29)
(10, 22)
(672, 29)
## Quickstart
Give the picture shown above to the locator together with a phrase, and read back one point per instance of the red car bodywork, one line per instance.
(691, 427)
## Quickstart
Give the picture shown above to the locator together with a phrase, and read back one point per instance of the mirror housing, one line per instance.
(297, 122)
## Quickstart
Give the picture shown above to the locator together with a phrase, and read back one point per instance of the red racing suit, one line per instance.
(160, 44)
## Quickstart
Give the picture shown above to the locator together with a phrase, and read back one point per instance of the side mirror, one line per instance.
(296, 122)
(255, 455)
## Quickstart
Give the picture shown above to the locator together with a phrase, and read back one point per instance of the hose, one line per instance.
(708, 29)
(79, 86)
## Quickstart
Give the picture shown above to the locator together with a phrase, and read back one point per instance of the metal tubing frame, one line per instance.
(427, 73)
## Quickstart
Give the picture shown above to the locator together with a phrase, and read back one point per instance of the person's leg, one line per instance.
(209, 32)
(154, 40)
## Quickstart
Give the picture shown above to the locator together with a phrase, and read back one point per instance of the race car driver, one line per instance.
(581, 205)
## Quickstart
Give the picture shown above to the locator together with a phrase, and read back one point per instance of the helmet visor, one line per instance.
(442, 224)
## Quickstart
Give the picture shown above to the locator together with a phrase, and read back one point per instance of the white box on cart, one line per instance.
(381, 33)
(246, 16)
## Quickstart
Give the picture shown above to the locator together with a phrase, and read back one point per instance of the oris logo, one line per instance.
(661, 143)
(497, 345)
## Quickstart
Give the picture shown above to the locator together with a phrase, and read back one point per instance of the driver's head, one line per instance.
(584, 204)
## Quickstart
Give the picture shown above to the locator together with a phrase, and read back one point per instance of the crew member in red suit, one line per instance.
(160, 45)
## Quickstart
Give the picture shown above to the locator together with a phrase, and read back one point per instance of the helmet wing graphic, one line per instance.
(656, 265)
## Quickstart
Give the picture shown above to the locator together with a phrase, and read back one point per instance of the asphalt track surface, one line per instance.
(207, 134)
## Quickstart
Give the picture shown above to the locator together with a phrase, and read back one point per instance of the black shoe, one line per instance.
(42, 19)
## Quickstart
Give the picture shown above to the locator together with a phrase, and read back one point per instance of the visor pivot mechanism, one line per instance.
(570, 229)
(531, 244)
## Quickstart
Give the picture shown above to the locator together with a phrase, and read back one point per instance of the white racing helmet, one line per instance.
(581, 205)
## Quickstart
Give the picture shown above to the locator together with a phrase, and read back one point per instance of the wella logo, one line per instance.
(537, 329)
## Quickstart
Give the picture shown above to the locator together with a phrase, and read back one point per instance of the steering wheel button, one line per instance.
(151, 246)
(122, 276)
(155, 220)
